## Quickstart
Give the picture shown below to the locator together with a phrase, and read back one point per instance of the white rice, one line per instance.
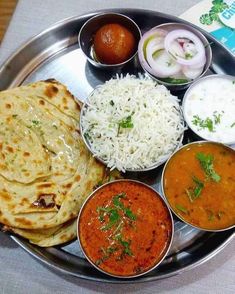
(155, 115)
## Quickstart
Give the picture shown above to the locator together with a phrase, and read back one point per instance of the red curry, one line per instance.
(125, 228)
(199, 184)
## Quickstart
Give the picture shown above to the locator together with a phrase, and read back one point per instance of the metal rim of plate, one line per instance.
(37, 60)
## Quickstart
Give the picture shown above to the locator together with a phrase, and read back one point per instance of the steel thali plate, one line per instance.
(55, 54)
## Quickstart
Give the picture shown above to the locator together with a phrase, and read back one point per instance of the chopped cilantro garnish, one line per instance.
(188, 56)
(106, 254)
(126, 245)
(181, 208)
(113, 212)
(194, 192)
(117, 202)
(206, 162)
(115, 216)
(174, 81)
(207, 123)
(126, 122)
(217, 117)
(129, 214)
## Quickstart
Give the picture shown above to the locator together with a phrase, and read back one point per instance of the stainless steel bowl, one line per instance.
(88, 30)
(186, 95)
(166, 199)
(175, 26)
(153, 166)
(169, 214)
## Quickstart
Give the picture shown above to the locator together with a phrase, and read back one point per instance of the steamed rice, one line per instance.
(132, 123)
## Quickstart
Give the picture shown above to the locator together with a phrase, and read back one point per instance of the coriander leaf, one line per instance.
(196, 120)
(188, 56)
(106, 254)
(217, 118)
(181, 208)
(126, 123)
(174, 81)
(207, 123)
(128, 251)
(114, 218)
(206, 162)
(130, 214)
(111, 102)
(197, 191)
(111, 249)
(198, 182)
(215, 177)
(194, 192)
(117, 202)
(126, 246)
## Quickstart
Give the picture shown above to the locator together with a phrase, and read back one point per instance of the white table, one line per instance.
(19, 272)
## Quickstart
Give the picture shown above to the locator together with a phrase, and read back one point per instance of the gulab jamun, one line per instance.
(113, 44)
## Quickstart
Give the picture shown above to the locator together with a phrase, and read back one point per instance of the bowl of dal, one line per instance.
(198, 182)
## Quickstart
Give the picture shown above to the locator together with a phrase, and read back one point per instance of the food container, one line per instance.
(176, 86)
(88, 30)
(119, 235)
(168, 126)
(209, 108)
(198, 183)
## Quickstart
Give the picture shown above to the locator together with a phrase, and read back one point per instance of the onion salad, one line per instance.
(177, 56)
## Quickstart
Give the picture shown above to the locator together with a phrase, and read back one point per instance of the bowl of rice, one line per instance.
(131, 123)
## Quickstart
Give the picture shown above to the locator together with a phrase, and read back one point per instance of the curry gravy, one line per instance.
(202, 194)
(125, 228)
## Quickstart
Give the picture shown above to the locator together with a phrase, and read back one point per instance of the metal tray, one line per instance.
(55, 54)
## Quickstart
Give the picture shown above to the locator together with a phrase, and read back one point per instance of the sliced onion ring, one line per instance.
(160, 67)
(159, 33)
(176, 34)
(164, 66)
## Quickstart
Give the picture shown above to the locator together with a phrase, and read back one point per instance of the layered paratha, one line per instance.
(46, 172)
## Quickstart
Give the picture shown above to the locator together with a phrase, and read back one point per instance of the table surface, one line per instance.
(19, 272)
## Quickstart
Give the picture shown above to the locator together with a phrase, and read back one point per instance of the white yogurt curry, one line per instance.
(209, 108)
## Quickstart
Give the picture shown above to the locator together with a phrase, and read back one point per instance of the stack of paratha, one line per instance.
(46, 172)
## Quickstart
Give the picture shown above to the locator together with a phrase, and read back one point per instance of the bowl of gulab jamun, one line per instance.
(109, 40)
